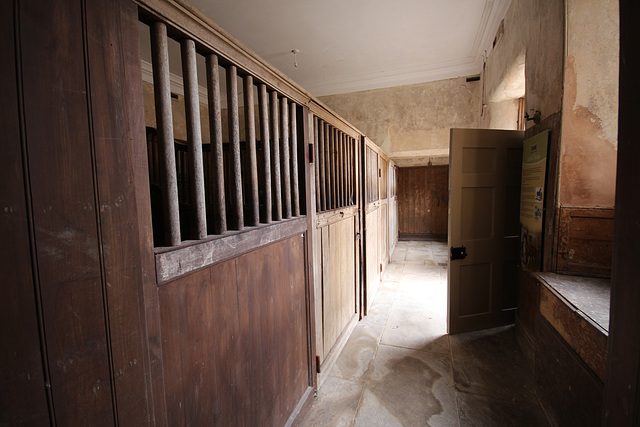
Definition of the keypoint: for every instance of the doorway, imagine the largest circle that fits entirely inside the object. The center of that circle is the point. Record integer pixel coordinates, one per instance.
(423, 199)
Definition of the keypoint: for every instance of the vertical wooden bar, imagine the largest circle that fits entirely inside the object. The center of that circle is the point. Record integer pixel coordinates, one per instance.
(294, 159)
(316, 162)
(341, 167)
(194, 136)
(250, 128)
(321, 166)
(216, 162)
(351, 172)
(234, 136)
(345, 148)
(284, 148)
(336, 148)
(334, 166)
(264, 132)
(275, 159)
(164, 120)
(347, 171)
(327, 164)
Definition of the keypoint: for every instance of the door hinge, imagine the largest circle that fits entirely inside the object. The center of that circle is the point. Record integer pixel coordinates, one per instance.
(318, 364)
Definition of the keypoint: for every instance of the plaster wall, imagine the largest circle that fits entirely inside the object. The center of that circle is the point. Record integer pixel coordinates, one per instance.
(502, 115)
(531, 48)
(590, 111)
(411, 123)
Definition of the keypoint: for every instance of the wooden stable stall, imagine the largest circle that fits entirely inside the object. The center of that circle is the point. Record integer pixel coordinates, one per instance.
(337, 231)
(393, 207)
(149, 280)
(376, 218)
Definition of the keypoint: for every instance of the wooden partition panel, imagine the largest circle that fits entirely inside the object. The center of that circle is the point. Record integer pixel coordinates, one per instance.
(89, 359)
(235, 339)
(337, 227)
(23, 398)
(376, 224)
(339, 264)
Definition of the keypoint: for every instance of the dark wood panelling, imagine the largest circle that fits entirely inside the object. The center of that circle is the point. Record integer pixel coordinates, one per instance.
(64, 211)
(22, 394)
(528, 305)
(423, 197)
(235, 339)
(567, 388)
(113, 50)
(588, 341)
(585, 241)
(622, 397)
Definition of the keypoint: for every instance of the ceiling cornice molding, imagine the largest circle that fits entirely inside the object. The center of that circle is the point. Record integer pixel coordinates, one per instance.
(400, 77)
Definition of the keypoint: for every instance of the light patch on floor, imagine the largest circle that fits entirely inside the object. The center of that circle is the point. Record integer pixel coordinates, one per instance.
(401, 368)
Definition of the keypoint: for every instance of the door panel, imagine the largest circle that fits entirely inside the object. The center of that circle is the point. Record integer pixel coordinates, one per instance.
(373, 256)
(339, 275)
(484, 196)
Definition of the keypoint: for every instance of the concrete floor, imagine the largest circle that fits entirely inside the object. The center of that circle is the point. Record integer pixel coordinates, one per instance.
(400, 368)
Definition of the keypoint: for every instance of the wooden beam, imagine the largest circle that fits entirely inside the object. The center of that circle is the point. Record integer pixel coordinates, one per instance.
(263, 99)
(194, 136)
(275, 159)
(285, 159)
(215, 125)
(234, 136)
(250, 127)
(321, 166)
(164, 120)
(294, 159)
(190, 257)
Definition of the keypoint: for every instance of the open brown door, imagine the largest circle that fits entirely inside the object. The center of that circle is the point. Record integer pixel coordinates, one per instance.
(484, 204)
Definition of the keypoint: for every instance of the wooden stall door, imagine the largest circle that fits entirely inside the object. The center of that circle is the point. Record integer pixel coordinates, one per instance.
(337, 242)
(372, 222)
(383, 237)
(485, 170)
(340, 260)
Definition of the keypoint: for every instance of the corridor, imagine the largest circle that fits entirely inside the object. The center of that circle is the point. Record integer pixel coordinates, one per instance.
(400, 368)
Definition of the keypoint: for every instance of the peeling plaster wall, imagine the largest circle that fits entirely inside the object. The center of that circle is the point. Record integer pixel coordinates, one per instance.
(590, 112)
(411, 123)
(534, 39)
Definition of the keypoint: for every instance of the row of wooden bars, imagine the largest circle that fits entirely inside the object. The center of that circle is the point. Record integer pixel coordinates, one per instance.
(335, 154)
(279, 182)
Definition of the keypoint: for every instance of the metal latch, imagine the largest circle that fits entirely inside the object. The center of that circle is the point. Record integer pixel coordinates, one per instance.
(458, 253)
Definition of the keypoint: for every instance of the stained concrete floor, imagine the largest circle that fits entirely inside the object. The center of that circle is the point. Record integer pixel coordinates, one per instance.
(400, 368)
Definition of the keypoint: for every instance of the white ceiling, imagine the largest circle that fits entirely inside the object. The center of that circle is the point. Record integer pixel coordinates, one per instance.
(353, 45)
